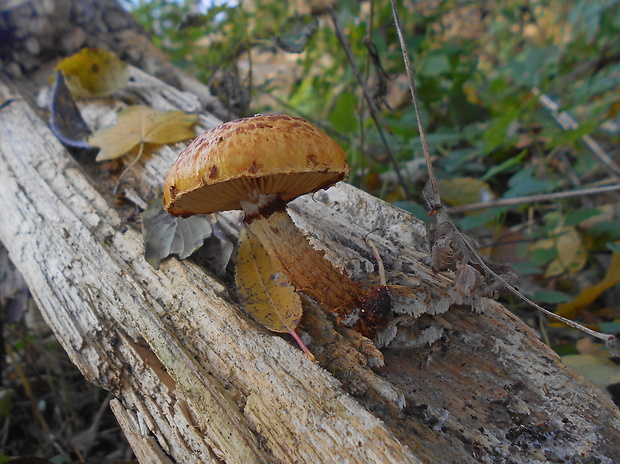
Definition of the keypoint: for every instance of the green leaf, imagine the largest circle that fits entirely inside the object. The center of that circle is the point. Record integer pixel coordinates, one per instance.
(526, 268)
(615, 247)
(497, 133)
(542, 256)
(597, 369)
(6, 403)
(610, 327)
(507, 165)
(579, 216)
(435, 65)
(416, 209)
(525, 183)
(474, 220)
(551, 296)
(343, 117)
(528, 67)
(612, 228)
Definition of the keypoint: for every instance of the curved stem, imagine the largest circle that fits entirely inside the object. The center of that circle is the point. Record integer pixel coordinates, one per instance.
(305, 267)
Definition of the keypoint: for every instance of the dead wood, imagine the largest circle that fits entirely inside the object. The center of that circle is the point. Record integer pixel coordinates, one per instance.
(195, 380)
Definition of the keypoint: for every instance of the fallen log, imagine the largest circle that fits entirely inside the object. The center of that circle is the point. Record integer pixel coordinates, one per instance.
(195, 380)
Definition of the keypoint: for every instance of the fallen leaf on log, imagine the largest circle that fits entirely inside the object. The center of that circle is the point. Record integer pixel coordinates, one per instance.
(166, 235)
(92, 72)
(141, 124)
(266, 295)
(65, 119)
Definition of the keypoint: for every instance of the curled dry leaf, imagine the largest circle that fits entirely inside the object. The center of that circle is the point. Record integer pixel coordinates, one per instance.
(65, 119)
(265, 293)
(165, 235)
(92, 72)
(141, 124)
(457, 252)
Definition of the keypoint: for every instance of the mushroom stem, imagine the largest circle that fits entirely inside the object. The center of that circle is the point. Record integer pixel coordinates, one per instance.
(307, 268)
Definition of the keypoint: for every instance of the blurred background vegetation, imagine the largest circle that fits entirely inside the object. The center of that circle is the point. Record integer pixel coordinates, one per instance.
(518, 98)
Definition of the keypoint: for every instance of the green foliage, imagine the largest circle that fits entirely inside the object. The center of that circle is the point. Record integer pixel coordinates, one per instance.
(551, 296)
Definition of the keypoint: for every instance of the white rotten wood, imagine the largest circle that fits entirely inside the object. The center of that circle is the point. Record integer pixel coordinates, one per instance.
(197, 381)
(135, 330)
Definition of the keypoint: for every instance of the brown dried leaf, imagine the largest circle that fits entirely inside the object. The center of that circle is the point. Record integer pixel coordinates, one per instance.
(266, 295)
(141, 124)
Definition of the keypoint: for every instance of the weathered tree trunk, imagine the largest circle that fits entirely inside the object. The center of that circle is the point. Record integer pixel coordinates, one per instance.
(195, 380)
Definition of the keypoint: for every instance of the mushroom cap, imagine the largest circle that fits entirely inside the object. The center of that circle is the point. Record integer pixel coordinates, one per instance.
(274, 154)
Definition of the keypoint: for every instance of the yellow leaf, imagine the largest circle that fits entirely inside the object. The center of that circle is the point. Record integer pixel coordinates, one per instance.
(93, 72)
(589, 294)
(265, 294)
(464, 190)
(141, 124)
(572, 255)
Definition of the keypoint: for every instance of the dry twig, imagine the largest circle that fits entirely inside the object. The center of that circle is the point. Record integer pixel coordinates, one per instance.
(534, 198)
(374, 111)
(566, 121)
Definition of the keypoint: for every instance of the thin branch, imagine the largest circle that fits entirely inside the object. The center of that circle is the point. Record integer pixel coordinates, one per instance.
(362, 111)
(374, 111)
(131, 165)
(567, 123)
(375, 253)
(610, 340)
(435, 198)
(534, 198)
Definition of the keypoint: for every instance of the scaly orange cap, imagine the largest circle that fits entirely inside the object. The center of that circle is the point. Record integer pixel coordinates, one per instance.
(274, 154)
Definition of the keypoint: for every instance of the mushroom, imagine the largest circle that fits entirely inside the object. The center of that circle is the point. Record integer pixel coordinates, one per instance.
(259, 164)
